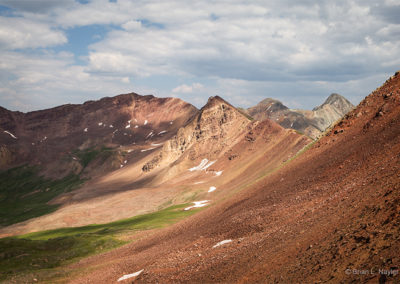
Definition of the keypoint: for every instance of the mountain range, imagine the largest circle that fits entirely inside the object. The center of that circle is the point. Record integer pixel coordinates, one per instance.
(277, 195)
(312, 123)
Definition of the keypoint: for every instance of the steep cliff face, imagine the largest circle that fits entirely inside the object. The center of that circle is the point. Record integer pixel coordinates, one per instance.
(55, 138)
(215, 127)
(312, 123)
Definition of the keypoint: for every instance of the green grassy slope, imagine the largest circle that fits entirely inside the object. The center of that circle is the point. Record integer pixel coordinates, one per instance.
(24, 194)
(38, 254)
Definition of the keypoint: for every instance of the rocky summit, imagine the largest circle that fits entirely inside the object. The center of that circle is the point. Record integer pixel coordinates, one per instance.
(312, 123)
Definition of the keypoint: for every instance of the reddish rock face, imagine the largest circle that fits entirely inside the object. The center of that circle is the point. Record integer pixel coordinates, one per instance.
(50, 137)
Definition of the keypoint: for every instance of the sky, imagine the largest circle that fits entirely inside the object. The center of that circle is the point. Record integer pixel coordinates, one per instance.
(299, 52)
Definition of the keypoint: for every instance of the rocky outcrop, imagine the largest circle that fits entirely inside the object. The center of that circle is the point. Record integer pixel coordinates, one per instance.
(214, 128)
(312, 123)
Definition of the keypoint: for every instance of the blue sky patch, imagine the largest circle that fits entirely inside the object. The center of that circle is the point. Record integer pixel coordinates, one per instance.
(6, 11)
(80, 38)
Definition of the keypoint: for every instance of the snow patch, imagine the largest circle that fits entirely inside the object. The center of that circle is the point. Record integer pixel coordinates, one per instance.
(145, 122)
(136, 126)
(291, 125)
(9, 133)
(150, 135)
(208, 165)
(154, 144)
(125, 161)
(127, 276)
(111, 126)
(162, 132)
(218, 173)
(204, 164)
(100, 123)
(121, 166)
(130, 151)
(200, 166)
(144, 150)
(222, 243)
(171, 122)
(85, 130)
(198, 204)
(212, 188)
(44, 139)
(199, 182)
(128, 126)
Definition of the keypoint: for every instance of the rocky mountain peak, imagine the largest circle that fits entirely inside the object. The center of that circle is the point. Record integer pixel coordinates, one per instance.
(265, 108)
(214, 127)
(269, 101)
(338, 102)
(312, 123)
(216, 101)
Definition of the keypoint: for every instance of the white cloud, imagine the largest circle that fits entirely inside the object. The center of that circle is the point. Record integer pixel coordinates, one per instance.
(19, 33)
(101, 12)
(36, 6)
(132, 25)
(38, 81)
(187, 89)
(249, 42)
(244, 51)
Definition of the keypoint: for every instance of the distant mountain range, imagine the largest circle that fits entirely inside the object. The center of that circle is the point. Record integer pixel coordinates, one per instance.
(60, 139)
(312, 123)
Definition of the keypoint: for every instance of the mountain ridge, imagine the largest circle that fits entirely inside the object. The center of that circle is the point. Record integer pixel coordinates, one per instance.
(312, 123)
(44, 135)
(159, 171)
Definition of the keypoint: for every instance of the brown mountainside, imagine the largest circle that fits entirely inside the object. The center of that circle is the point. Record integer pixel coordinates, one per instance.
(53, 138)
(331, 215)
(219, 147)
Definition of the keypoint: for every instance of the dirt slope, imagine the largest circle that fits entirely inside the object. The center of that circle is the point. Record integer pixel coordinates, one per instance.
(331, 215)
